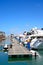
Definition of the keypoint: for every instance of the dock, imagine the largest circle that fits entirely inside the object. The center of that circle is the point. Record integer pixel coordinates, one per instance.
(18, 49)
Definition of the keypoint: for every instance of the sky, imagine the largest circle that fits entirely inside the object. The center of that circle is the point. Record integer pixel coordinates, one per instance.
(17, 16)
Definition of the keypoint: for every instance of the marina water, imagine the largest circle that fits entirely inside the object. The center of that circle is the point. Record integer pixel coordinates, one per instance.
(5, 60)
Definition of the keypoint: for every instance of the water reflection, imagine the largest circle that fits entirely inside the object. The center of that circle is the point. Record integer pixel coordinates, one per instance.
(11, 59)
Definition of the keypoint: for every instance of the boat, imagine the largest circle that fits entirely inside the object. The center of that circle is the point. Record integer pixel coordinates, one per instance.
(36, 37)
(5, 48)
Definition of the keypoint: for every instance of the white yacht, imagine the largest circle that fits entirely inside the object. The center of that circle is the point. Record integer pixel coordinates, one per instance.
(36, 38)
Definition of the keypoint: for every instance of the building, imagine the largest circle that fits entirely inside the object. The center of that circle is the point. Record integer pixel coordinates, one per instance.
(2, 35)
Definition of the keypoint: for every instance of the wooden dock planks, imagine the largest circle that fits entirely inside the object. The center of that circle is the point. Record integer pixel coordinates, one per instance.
(18, 49)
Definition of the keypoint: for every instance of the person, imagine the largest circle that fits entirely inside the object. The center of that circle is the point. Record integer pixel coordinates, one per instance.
(28, 45)
(11, 46)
